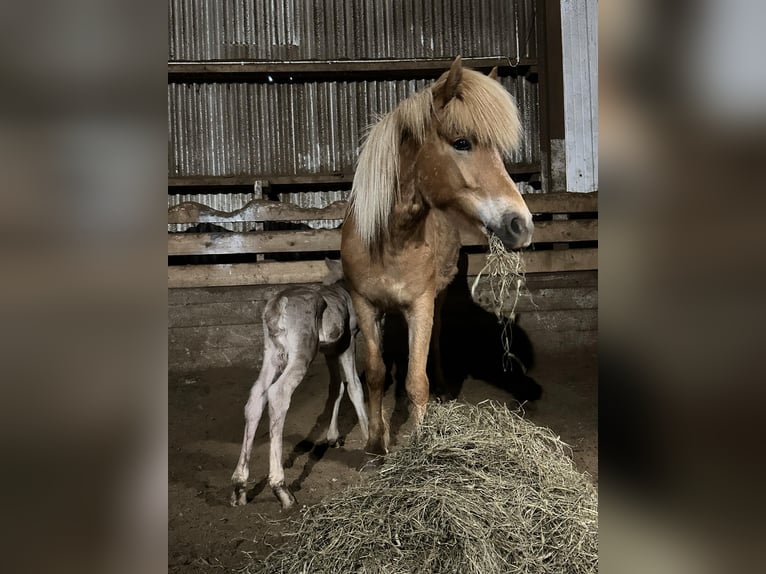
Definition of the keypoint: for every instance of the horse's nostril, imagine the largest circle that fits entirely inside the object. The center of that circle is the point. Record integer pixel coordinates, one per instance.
(517, 226)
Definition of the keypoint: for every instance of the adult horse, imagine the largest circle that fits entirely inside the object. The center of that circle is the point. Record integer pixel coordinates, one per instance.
(437, 156)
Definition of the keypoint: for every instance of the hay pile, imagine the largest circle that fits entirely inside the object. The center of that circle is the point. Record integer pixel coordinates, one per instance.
(477, 489)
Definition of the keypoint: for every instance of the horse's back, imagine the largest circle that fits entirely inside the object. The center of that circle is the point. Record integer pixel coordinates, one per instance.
(318, 312)
(294, 312)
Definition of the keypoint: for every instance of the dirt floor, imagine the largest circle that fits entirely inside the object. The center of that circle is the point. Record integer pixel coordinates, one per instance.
(206, 424)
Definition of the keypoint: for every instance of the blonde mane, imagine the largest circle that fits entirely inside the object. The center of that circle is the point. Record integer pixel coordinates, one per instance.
(482, 110)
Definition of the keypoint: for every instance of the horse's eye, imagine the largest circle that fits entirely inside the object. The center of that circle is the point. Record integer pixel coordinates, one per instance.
(462, 144)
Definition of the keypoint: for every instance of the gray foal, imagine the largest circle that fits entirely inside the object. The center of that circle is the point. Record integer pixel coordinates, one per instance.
(298, 322)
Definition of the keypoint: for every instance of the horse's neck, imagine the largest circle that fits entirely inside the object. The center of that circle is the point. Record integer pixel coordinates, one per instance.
(414, 221)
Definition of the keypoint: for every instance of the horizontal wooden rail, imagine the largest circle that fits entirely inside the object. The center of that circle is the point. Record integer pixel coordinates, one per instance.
(330, 70)
(341, 179)
(260, 210)
(277, 273)
(249, 180)
(329, 239)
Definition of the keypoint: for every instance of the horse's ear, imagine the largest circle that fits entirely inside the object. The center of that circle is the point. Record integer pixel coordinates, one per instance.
(451, 86)
(493, 73)
(335, 269)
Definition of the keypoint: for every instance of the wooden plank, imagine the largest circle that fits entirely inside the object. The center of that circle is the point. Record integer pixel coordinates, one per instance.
(249, 180)
(303, 180)
(265, 273)
(546, 261)
(538, 300)
(254, 242)
(329, 239)
(257, 210)
(217, 313)
(545, 232)
(191, 348)
(241, 294)
(564, 280)
(562, 202)
(559, 320)
(271, 272)
(350, 67)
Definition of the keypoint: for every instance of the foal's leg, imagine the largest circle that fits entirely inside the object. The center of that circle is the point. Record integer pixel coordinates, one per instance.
(420, 318)
(354, 385)
(271, 368)
(368, 318)
(336, 383)
(279, 395)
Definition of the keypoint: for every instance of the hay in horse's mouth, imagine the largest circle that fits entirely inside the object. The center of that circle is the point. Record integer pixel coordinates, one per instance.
(504, 274)
(475, 489)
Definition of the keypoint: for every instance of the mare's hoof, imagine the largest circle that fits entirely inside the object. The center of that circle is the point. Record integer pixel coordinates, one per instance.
(376, 448)
(285, 497)
(238, 495)
(373, 463)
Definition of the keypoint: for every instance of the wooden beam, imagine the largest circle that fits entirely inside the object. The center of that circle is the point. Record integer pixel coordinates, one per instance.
(254, 242)
(260, 210)
(545, 232)
(562, 202)
(309, 179)
(276, 273)
(266, 273)
(546, 261)
(257, 210)
(249, 180)
(330, 70)
(329, 239)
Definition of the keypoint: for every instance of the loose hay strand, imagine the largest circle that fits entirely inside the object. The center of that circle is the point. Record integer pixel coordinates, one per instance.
(476, 489)
(505, 273)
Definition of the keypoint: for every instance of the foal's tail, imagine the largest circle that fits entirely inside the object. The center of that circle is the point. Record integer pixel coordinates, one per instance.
(274, 334)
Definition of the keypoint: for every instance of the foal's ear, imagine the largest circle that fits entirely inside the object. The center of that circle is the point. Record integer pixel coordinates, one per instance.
(451, 87)
(335, 269)
(493, 73)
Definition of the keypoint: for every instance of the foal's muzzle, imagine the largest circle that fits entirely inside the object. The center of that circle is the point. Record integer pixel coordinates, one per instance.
(515, 230)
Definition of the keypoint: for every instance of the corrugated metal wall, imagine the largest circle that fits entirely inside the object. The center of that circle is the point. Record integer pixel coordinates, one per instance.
(294, 129)
(201, 30)
(230, 127)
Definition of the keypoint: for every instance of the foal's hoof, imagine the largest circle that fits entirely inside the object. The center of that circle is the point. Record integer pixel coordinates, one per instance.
(238, 495)
(336, 443)
(285, 497)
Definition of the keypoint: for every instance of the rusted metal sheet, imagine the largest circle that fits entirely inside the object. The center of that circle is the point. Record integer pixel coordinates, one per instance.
(342, 29)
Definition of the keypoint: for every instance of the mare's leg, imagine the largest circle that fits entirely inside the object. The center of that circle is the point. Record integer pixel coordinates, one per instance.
(337, 385)
(420, 318)
(279, 395)
(354, 385)
(368, 318)
(271, 368)
(435, 355)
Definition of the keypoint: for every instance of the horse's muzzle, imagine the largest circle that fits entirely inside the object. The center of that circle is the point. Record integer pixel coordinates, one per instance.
(515, 230)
